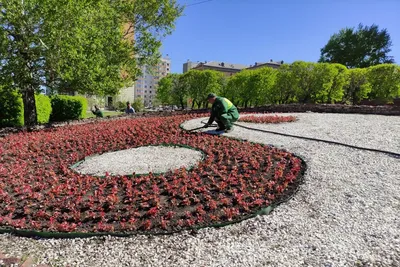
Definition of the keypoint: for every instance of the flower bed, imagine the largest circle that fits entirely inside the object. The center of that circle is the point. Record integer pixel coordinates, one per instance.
(38, 190)
(267, 119)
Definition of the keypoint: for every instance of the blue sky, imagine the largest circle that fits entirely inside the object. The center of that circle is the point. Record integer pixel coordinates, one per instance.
(246, 31)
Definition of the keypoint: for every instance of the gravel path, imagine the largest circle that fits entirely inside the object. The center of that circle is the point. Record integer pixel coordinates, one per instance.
(345, 214)
(140, 160)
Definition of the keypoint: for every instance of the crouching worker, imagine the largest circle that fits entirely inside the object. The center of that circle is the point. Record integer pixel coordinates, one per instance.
(223, 112)
(97, 112)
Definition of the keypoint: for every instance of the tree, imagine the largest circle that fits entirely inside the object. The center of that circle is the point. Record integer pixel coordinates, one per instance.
(173, 89)
(357, 87)
(385, 82)
(164, 90)
(79, 46)
(202, 82)
(285, 85)
(358, 48)
(266, 84)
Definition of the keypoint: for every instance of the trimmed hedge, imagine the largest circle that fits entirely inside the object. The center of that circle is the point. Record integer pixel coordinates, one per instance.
(43, 108)
(68, 108)
(12, 108)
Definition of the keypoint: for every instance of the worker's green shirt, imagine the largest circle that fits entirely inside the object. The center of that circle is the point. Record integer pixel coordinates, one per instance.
(98, 113)
(220, 106)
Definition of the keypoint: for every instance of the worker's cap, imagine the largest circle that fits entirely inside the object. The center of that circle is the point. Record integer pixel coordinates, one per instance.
(211, 96)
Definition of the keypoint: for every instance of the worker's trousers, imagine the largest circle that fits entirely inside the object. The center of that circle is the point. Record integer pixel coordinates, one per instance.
(226, 120)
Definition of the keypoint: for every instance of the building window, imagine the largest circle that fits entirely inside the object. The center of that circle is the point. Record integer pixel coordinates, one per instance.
(167, 69)
(145, 91)
(150, 91)
(145, 86)
(150, 87)
(167, 64)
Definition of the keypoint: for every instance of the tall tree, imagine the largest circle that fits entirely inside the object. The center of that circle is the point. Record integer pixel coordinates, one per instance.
(360, 47)
(79, 45)
(173, 90)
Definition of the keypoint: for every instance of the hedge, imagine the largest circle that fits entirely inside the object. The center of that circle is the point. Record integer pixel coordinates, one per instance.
(68, 108)
(12, 108)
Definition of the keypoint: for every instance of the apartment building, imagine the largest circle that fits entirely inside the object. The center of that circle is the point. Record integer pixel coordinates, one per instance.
(146, 85)
(227, 68)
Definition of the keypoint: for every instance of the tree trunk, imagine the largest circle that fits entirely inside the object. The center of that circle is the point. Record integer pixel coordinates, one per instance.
(182, 104)
(193, 104)
(30, 115)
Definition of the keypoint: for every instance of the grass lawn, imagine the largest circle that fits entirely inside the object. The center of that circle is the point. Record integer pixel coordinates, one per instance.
(105, 113)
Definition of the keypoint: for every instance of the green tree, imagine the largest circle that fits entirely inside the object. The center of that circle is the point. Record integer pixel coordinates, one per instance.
(385, 82)
(234, 87)
(79, 46)
(358, 48)
(164, 90)
(201, 83)
(357, 87)
(266, 79)
(304, 81)
(285, 85)
(173, 90)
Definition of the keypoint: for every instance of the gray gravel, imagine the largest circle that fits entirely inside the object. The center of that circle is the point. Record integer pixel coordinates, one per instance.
(345, 214)
(140, 160)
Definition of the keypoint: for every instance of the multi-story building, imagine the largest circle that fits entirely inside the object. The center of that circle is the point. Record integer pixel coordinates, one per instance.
(227, 68)
(270, 64)
(146, 85)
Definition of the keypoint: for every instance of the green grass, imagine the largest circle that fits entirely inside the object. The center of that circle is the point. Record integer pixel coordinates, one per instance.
(105, 114)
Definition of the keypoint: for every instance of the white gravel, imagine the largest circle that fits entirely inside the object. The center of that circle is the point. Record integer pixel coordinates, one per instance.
(140, 160)
(345, 214)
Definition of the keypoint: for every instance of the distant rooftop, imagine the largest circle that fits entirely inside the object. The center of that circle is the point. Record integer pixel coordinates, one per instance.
(217, 64)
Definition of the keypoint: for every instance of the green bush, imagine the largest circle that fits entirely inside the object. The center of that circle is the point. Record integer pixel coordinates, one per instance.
(43, 108)
(138, 105)
(120, 106)
(68, 108)
(11, 108)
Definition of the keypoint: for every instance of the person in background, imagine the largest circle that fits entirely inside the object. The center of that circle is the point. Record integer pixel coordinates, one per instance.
(223, 112)
(129, 109)
(97, 112)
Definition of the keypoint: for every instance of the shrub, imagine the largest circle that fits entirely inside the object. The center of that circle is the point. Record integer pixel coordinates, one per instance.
(120, 106)
(385, 82)
(43, 108)
(138, 105)
(68, 108)
(11, 108)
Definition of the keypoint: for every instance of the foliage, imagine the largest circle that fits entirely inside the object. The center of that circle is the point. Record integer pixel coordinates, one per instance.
(358, 86)
(284, 90)
(77, 46)
(201, 83)
(43, 107)
(358, 48)
(173, 90)
(120, 106)
(10, 108)
(68, 108)
(235, 180)
(138, 105)
(385, 82)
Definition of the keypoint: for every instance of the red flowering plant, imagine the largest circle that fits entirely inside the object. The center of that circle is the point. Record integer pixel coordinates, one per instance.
(267, 119)
(39, 191)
